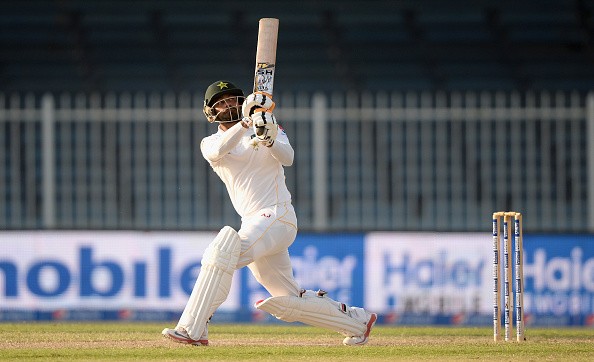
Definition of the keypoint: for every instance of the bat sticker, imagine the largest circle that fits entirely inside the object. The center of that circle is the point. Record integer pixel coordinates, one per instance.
(264, 79)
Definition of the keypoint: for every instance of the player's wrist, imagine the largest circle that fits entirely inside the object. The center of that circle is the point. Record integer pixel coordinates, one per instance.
(244, 123)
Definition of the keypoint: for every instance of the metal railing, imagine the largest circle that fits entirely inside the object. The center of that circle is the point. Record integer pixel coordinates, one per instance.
(371, 161)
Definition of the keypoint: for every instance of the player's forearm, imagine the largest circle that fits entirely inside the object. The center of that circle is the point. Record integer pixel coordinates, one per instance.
(219, 148)
(283, 152)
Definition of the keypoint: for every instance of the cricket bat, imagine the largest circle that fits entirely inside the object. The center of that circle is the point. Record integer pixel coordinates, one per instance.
(266, 55)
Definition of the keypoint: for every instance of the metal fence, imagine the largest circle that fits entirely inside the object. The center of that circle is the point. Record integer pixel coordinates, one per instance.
(371, 161)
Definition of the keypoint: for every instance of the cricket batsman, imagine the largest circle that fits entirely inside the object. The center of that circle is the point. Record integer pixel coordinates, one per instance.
(249, 152)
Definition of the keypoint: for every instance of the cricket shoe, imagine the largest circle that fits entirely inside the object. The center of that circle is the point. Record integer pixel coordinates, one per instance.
(364, 338)
(181, 336)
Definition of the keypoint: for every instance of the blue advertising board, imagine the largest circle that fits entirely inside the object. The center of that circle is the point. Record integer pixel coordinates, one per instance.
(333, 263)
(559, 279)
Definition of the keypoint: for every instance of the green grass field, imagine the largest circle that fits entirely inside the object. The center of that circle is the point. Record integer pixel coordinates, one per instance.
(143, 342)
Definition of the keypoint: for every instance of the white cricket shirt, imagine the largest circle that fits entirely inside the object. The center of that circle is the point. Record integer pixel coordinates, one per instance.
(254, 177)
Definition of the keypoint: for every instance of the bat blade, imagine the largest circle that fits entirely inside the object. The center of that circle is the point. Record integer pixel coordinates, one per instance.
(266, 55)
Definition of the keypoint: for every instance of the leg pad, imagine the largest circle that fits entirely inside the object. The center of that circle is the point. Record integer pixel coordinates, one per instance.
(212, 287)
(315, 310)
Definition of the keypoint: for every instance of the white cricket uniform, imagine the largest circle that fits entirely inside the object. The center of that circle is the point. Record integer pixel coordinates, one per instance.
(255, 181)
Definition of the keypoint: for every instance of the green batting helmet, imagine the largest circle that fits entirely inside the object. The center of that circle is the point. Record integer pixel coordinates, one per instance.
(219, 88)
(215, 91)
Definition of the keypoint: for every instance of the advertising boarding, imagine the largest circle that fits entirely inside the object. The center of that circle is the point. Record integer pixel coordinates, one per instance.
(408, 278)
(447, 278)
(87, 274)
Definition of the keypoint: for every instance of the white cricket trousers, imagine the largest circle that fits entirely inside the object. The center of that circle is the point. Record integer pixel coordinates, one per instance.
(265, 238)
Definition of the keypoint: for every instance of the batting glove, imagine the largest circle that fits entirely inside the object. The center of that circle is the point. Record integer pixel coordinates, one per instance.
(265, 127)
(255, 102)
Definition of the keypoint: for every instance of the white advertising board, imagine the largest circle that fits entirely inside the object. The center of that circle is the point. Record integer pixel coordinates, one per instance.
(102, 269)
(428, 273)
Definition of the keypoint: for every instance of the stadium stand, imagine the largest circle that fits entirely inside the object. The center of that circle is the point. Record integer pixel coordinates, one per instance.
(94, 45)
(127, 79)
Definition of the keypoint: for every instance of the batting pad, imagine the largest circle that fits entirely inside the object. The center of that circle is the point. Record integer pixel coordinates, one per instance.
(315, 311)
(219, 262)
